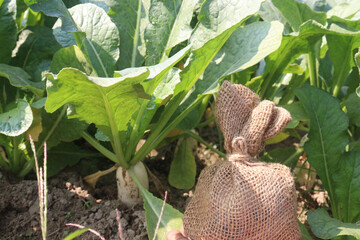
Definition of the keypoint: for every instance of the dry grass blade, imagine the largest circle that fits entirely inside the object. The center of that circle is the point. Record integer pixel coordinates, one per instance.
(119, 225)
(161, 213)
(90, 230)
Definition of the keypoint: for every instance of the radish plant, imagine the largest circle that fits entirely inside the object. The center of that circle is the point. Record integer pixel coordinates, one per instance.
(117, 69)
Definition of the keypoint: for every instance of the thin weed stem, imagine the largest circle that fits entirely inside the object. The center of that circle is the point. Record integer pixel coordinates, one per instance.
(41, 174)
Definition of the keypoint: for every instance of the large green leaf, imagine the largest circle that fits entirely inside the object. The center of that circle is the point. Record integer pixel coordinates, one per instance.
(57, 128)
(352, 104)
(64, 155)
(71, 57)
(131, 18)
(341, 49)
(106, 102)
(217, 21)
(183, 167)
(246, 47)
(102, 37)
(216, 18)
(16, 121)
(347, 187)
(8, 29)
(19, 78)
(169, 26)
(54, 8)
(325, 227)
(297, 112)
(327, 135)
(34, 51)
(296, 13)
(161, 84)
(170, 219)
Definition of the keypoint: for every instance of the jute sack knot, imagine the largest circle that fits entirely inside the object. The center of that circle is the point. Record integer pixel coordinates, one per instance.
(243, 198)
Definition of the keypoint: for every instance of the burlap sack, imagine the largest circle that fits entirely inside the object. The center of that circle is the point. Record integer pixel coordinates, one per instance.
(242, 198)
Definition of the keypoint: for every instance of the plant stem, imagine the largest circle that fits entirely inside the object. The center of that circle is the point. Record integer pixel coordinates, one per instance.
(3, 161)
(340, 78)
(312, 69)
(53, 127)
(114, 131)
(136, 37)
(16, 156)
(159, 133)
(205, 123)
(132, 145)
(93, 142)
(199, 139)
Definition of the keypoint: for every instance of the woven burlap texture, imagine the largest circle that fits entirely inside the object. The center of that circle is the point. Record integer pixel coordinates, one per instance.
(242, 198)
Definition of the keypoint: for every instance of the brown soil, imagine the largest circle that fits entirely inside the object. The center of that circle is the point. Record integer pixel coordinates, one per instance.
(68, 202)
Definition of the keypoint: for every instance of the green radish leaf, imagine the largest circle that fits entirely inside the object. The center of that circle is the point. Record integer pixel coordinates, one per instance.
(268, 12)
(357, 62)
(57, 128)
(39, 103)
(16, 121)
(102, 37)
(19, 78)
(101, 136)
(325, 227)
(167, 29)
(220, 19)
(167, 85)
(296, 13)
(246, 47)
(163, 81)
(106, 102)
(100, 3)
(131, 19)
(347, 187)
(183, 167)
(159, 84)
(8, 29)
(327, 135)
(287, 156)
(34, 51)
(158, 71)
(171, 218)
(354, 146)
(54, 8)
(298, 113)
(76, 234)
(294, 68)
(352, 104)
(71, 57)
(64, 155)
(217, 21)
(304, 232)
(292, 46)
(341, 50)
(344, 10)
